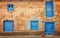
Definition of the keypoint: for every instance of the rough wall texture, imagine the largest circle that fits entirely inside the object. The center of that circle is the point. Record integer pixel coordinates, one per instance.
(57, 16)
(23, 13)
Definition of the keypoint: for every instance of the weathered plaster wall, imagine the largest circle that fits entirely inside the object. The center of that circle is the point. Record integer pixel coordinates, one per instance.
(24, 11)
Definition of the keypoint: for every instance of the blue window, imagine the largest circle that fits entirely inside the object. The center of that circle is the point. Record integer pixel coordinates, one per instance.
(49, 28)
(34, 25)
(49, 6)
(10, 7)
(8, 25)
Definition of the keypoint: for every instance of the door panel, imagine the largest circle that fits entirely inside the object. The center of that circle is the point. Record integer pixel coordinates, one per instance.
(8, 25)
(49, 27)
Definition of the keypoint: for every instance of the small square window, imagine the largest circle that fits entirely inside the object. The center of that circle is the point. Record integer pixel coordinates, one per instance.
(10, 7)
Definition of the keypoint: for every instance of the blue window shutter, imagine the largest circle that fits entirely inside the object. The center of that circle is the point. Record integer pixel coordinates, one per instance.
(34, 25)
(49, 6)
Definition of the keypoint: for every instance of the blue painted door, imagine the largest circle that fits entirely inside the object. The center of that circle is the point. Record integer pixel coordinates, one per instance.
(49, 6)
(8, 25)
(34, 25)
(49, 28)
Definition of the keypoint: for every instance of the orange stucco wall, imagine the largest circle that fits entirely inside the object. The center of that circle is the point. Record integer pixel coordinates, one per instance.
(23, 13)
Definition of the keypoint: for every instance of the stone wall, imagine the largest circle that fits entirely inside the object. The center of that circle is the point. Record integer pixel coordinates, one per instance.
(23, 13)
